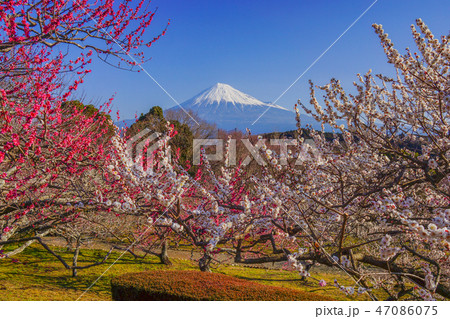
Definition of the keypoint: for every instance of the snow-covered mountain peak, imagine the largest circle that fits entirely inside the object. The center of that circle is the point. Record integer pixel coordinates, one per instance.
(222, 93)
(232, 109)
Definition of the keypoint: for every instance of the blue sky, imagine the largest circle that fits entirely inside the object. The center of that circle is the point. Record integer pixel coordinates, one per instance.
(260, 47)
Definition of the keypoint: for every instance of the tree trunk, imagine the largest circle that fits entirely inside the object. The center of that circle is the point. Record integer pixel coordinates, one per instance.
(205, 262)
(163, 257)
(238, 257)
(75, 260)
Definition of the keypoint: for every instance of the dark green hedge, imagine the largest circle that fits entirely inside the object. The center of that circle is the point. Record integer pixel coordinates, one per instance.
(196, 285)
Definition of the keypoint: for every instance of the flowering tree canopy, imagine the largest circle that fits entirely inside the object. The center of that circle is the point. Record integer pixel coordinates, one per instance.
(52, 152)
(107, 27)
(378, 196)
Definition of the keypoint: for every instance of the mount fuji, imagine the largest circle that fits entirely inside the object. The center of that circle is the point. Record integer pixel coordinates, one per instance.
(232, 109)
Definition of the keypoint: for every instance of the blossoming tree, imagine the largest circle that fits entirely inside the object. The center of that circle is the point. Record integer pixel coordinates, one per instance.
(378, 194)
(52, 154)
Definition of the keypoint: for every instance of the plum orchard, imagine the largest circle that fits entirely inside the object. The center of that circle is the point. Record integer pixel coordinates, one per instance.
(374, 204)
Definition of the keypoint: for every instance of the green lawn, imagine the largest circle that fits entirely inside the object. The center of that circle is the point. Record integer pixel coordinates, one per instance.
(39, 276)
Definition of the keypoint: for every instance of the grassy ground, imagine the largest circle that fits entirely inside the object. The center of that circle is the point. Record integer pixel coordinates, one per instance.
(39, 276)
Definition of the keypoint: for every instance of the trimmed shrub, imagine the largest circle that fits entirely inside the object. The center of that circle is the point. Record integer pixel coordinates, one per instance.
(197, 285)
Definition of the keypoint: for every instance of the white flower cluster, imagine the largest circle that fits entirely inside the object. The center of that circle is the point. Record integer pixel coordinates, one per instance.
(79, 205)
(435, 232)
(247, 204)
(347, 290)
(221, 230)
(345, 262)
(221, 184)
(350, 290)
(442, 218)
(447, 100)
(432, 163)
(387, 252)
(430, 282)
(163, 185)
(229, 150)
(177, 227)
(206, 220)
(125, 204)
(432, 233)
(426, 295)
(164, 222)
(296, 265)
(212, 244)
